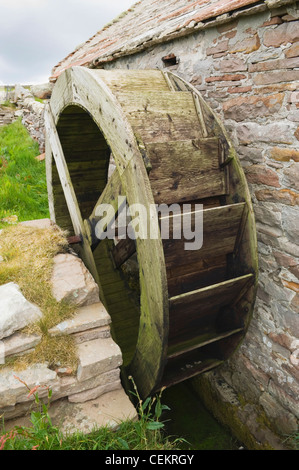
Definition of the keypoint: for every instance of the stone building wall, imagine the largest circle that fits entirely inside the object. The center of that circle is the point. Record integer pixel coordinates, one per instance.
(248, 72)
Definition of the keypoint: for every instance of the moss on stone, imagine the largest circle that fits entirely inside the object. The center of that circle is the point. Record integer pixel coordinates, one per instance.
(228, 414)
(188, 418)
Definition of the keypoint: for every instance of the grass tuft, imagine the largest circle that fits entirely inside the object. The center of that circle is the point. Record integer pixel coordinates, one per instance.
(27, 259)
(23, 189)
(144, 434)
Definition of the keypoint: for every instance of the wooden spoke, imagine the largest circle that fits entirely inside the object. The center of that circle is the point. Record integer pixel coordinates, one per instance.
(68, 190)
(109, 197)
(123, 251)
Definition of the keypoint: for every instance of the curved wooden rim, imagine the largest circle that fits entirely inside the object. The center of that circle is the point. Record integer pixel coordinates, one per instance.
(120, 117)
(81, 87)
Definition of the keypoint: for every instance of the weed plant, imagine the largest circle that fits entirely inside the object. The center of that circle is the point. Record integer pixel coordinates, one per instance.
(146, 433)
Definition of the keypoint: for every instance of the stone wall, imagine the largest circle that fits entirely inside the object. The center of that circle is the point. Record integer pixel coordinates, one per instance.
(248, 72)
(7, 116)
(31, 110)
(89, 394)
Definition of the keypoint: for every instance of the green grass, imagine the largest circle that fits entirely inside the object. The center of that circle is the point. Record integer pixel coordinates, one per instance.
(146, 433)
(8, 104)
(23, 196)
(23, 189)
(30, 265)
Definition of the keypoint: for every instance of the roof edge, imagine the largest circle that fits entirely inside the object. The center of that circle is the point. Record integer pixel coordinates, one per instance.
(191, 28)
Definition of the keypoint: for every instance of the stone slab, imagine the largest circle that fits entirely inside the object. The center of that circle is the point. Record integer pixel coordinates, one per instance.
(19, 343)
(106, 411)
(89, 335)
(38, 223)
(94, 393)
(97, 357)
(15, 311)
(72, 282)
(19, 405)
(69, 385)
(14, 391)
(86, 318)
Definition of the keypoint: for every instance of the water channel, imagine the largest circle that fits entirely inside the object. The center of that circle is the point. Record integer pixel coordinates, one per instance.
(190, 420)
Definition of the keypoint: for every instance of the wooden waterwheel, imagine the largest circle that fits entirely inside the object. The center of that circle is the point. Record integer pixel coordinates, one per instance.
(186, 311)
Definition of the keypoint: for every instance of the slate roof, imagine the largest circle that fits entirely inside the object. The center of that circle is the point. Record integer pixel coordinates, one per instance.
(149, 22)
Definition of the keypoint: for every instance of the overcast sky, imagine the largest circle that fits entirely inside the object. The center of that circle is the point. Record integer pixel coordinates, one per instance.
(36, 34)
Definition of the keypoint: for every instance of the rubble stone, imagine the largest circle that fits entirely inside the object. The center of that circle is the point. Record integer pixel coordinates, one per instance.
(94, 392)
(19, 343)
(97, 357)
(42, 91)
(85, 318)
(72, 282)
(13, 390)
(15, 311)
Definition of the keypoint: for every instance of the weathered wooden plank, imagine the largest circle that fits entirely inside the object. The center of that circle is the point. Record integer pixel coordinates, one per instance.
(186, 170)
(192, 276)
(83, 195)
(84, 128)
(92, 94)
(72, 113)
(134, 80)
(205, 114)
(186, 367)
(63, 94)
(199, 342)
(109, 195)
(88, 166)
(68, 189)
(200, 115)
(87, 180)
(76, 155)
(220, 228)
(82, 140)
(215, 295)
(124, 311)
(85, 200)
(193, 311)
(122, 251)
(161, 116)
(49, 176)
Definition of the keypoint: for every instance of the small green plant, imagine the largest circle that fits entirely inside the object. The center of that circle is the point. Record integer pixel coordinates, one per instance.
(292, 441)
(150, 412)
(42, 434)
(143, 434)
(8, 104)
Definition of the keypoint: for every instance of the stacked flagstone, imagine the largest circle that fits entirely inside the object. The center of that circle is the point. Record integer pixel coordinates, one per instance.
(6, 116)
(97, 379)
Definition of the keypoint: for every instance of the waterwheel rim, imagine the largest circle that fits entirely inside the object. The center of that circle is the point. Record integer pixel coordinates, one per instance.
(81, 94)
(146, 365)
